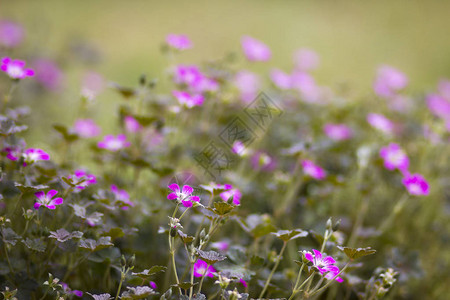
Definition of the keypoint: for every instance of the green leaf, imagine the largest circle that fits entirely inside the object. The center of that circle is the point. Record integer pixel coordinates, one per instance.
(34, 244)
(355, 253)
(30, 188)
(184, 285)
(287, 235)
(67, 135)
(126, 92)
(210, 257)
(149, 272)
(114, 233)
(9, 236)
(222, 208)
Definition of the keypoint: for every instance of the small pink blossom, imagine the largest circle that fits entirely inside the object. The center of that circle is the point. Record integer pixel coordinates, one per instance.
(222, 246)
(389, 81)
(189, 75)
(122, 196)
(239, 148)
(188, 100)
(153, 285)
(11, 34)
(338, 132)
(15, 68)
(394, 157)
(201, 269)
(281, 79)
(33, 155)
(439, 106)
(68, 290)
(92, 85)
(263, 161)
(132, 125)
(46, 200)
(232, 192)
(243, 282)
(306, 59)
(114, 143)
(14, 152)
(254, 49)
(86, 128)
(48, 74)
(416, 184)
(325, 265)
(313, 170)
(303, 82)
(381, 123)
(183, 195)
(89, 179)
(178, 41)
(248, 84)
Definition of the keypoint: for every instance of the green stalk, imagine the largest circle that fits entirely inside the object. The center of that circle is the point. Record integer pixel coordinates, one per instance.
(277, 262)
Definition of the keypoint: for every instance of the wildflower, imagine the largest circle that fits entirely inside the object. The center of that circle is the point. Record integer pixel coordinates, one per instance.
(132, 125)
(381, 123)
(306, 59)
(68, 290)
(178, 41)
(325, 265)
(122, 196)
(313, 170)
(92, 85)
(222, 246)
(14, 152)
(232, 192)
(254, 49)
(184, 195)
(248, 84)
(239, 148)
(48, 74)
(46, 200)
(11, 34)
(113, 143)
(33, 155)
(389, 81)
(416, 184)
(201, 269)
(86, 128)
(281, 79)
(188, 100)
(338, 132)
(89, 179)
(153, 285)
(439, 106)
(394, 157)
(188, 75)
(306, 85)
(263, 161)
(15, 68)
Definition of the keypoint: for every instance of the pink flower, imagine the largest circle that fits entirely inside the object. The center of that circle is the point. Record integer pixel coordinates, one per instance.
(15, 68)
(68, 290)
(239, 148)
(381, 123)
(306, 59)
(33, 155)
(248, 84)
(221, 246)
(89, 179)
(132, 125)
(338, 132)
(263, 161)
(48, 74)
(325, 265)
(122, 196)
(416, 184)
(46, 200)
(281, 79)
(231, 192)
(11, 34)
(178, 41)
(254, 49)
(153, 285)
(394, 157)
(439, 106)
(389, 81)
(306, 85)
(188, 75)
(313, 170)
(92, 85)
(184, 195)
(243, 282)
(201, 269)
(113, 143)
(14, 152)
(86, 128)
(188, 100)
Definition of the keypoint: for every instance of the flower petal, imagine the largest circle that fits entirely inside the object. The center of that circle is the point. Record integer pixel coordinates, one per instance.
(52, 193)
(187, 190)
(174, 187)
(195, 198)
(37, 205)
(172, 196)
(186, 203)
(40, 195)
(57, 201)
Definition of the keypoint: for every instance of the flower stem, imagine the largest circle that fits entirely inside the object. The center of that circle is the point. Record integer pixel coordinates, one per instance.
(277, 262)
(331, 280)
(122, 278)
(295, 292)
(203, 278)
(394, 213)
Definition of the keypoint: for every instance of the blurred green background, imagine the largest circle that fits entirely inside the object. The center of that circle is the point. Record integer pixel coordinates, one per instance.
(352, 37)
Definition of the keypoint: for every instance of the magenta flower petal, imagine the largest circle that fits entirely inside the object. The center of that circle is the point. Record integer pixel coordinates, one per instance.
(51, 206)
(187, 190)
(52, 193)
(174, 187)
(37, 205)
(57, 201)
(172, 196)
(195, 198)
(187, 203)
(40, 195)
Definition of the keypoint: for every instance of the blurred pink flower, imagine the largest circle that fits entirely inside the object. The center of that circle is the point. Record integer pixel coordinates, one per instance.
(416, 184)
(444, 88)
(132, 125)
(338, 132)
(33, 155)
(306, 59)
(46, 200)
(248, 84)
(86, 128)
(92, 85)
(394, 157)
(122, 196)
(89, 179)
(281, 79)
(11, 34)
(254, 49)
(381, 123)
(306, 85)
(262, 161)
(439, 106)
(48, 74)
(113, 143)
(178, 41)
(222, 246)
(389, 81)
(15, 68)
(313, 170)
(188, 100)
(232, 192)
(189, 75)
(201, 269)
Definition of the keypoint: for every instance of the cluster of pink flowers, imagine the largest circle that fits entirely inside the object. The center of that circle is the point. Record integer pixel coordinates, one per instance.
(114, 143)
(325, 265)
(15, 68)
(439, 103)
(47, 200)
(183, 195)
(313, 170)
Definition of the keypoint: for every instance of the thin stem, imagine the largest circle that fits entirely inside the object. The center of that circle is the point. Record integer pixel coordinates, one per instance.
(7, 258)
(172, 255)
(331, 280)
(183, 213)
(298, 277)
(300, 287)
(203, 278)
(394, 213)
(122, 278)
(277, 262)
